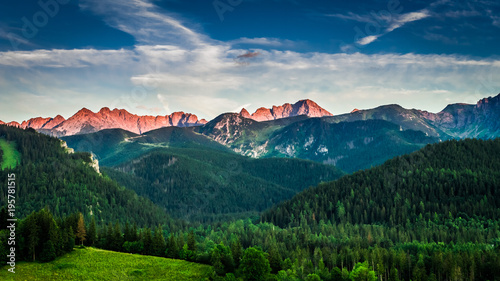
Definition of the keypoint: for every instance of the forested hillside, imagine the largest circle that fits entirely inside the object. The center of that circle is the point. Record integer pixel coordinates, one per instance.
(454, 179)
(49, 175)
(117, 146)
(350, 146)
(205, 184)
(196, 178)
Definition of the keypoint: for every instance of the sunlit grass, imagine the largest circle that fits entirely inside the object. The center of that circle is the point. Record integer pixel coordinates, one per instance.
(11, 157)
(96, 264)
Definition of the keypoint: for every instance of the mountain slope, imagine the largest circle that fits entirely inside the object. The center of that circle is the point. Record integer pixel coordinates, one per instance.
(407, 119)
(115, 146)
(349, 145)
(481, 120)
(447, 180)
(195, 177)
(67, 183)
(206, 184)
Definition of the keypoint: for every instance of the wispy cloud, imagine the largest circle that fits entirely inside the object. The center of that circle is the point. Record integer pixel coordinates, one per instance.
(394, 24)
(262, 41)
(65, 58)
(354, 17)
(145, 21)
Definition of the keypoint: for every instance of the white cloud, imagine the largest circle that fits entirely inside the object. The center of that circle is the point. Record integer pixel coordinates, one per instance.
(145, 21)
(406, 18)
(353, 16)
(368, 39)
(65, 58)
(164, 102)
(272, 42)
(394, 24)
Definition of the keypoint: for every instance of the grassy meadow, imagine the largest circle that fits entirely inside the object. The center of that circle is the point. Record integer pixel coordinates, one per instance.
(10, 156)
(96, 264)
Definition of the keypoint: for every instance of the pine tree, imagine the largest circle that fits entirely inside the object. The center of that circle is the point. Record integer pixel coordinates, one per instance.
(80, 231)
(147, 241)
(92, 234)
(133, 233)
(33, 231)
(48, 252)
(158, 244)
(127, 232)
(117, 239)
(237, 252)
(172, 250)
(70, 242)
(191, 241)
(274, 258)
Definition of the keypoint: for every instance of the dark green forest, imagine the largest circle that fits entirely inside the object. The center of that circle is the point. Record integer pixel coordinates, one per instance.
(196, 178)
(429, 215)
(207, 185)
(66, 183)
(455, 179)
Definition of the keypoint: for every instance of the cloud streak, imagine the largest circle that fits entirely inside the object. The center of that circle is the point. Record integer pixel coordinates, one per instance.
(145, 21)
(262, 41)
(398, 22)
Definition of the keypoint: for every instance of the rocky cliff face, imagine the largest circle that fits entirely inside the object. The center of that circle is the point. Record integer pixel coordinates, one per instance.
(86, 121)
(302, 107)
(481, 120)
(39, 123)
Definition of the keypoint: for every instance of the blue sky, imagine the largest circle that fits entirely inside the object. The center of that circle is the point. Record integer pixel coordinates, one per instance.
(206, 57)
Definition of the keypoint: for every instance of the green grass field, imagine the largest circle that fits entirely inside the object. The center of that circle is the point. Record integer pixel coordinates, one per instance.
(96, 264)
(10, 155)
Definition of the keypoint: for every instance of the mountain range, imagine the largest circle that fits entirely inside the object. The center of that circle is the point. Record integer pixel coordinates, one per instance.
(86, 121)
(353, 141)
(456, 120)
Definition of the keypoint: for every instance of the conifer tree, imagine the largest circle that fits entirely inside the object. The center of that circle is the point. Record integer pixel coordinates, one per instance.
(191, 241)
(81, 234)
(158, 243)
(172, 249)
(92, 233)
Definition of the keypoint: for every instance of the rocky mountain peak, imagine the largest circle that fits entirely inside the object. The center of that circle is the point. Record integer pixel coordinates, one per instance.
(244, 113)
(86, 121)
(83, 111)
(302, 107)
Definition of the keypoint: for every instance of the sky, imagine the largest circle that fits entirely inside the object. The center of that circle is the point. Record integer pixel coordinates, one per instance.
(206, 57)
